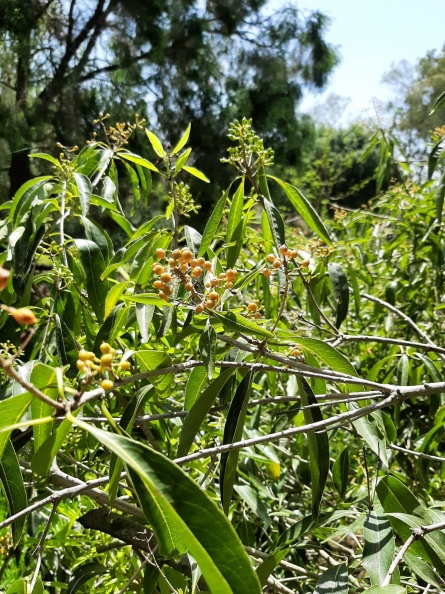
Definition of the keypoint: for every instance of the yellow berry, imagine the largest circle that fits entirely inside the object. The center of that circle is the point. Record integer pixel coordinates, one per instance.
(106, 360)
(105, 348)
(213, 295)
(106, 385)
(200, 261)
(188, 286)
(199, 308)
(252, 307)
(266, 272)
(196, 272)
(158, 284)
(86, 355)
(158, 269)
(276, 263)
(166, 277)
(223, 276)
(184, 267)
(160, 253)
(125, 365)
(210, 304)
(80, 365)
(207, 265)
(229, 285)
(176, 254)
(163, 296)
(172, 262)
(283, 249)
(270, 258)
(231, 274)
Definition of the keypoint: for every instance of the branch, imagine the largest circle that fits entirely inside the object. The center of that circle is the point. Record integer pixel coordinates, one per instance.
(114, 67)
(384, 340)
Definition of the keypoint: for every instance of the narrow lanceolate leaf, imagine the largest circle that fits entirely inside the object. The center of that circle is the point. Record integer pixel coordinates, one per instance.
(340, 288)
(94, 265)
(340, 472)
(14, 489)
(195, 382)
(318, 444)
(212, 225)
(329, 355)
(207, 348)
(138, 160)
(276, 223)
(378, 552)
(440, 195)
(437, 153)
(304, 209)
(235, 213)
(11, 411)
(237, 323)
(156, 144)
(439, 101)
(44, 378)
(233, 431)
(196, 173)
(147, 299)
(84, 190)
(386, 590)
(183, 141)
(182, 160)
(184, 510)
(199, 411)
(333, 581)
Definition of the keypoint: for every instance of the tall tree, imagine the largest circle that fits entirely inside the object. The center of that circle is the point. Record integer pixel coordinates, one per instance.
(174, 61)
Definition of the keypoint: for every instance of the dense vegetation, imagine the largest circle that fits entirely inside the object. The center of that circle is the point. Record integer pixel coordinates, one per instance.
(259, 407)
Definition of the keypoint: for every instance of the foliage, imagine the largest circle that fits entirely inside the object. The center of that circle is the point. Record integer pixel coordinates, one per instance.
(254, 408)
(172, 61)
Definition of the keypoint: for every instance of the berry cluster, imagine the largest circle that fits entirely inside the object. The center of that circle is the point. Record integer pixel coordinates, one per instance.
(182, 268)
(286, 255)
(5, 543)
(252, 309)
(89, 364)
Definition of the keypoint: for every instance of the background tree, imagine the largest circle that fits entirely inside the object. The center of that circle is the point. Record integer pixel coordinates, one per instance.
(62, 62)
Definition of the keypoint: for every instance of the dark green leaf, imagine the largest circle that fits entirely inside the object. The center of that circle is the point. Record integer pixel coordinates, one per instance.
(340, 288)
(83, 574)
(14, 489)
(378, 551)
(93, 265)
(340, 472)
(238, 323)
(84, 190)
(212, 225)
(333, 581)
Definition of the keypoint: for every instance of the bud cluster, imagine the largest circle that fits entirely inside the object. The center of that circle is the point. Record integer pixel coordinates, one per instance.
(183, 268)
(91, 365)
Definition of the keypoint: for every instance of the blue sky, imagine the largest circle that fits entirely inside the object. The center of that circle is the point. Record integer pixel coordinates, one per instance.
(371, 35)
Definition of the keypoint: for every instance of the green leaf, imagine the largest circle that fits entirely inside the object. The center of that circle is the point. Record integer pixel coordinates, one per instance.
(45, 454)
(199, 410)
(327, 353)
(196, 173)
(422, 569)
(138, 160)
(436, 154)
(183, 141)
(18, 587)
(212, 225)
(378, 551)
(340, 472)
(207, 347)
(304, 209)
(66, 345)
(340, 288)
(195, 382)
(235, 225)
(84, 190)
(385, 590)
(276, 223)
(44, 378)
(114, 295)
(193, 239)
(156, 144)
(440, 195)
(45, 157)
(11, 411)
(14, 489)
(439, 101)
(144, 316)
(83, 574)
(373, 433)
(182, 506)
(182, 160)
(237, 323)
(147, 299)
(112, 326)
(94, 265)
(233, 431)
(266, 567)
(333, 581)
(151, 360)
(318, 444)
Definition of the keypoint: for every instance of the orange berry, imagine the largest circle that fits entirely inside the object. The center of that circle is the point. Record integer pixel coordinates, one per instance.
(125, 365)
(231, 274)
(305, 263)
(158, 284)
(199, 308)
(222, 276)
(187, 255)
(168, 290)
(163, 296)
(196, 272)
(188, 286)
(283, 249)
(172, 262)
(213, 295)
(252, 307)
(106, 385)
(277, 263)
(166, 277)
(201, 261)
(266, 272)
(270, 258)
(4, 276)
(214, 282)
(193, 262)
(160, 253)
(229, 285)
(210, 304)
(158, 269)
(176, 254)
(257, 315)
(293, 253)
(184, 267)
(207, 265)
(23, 315)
